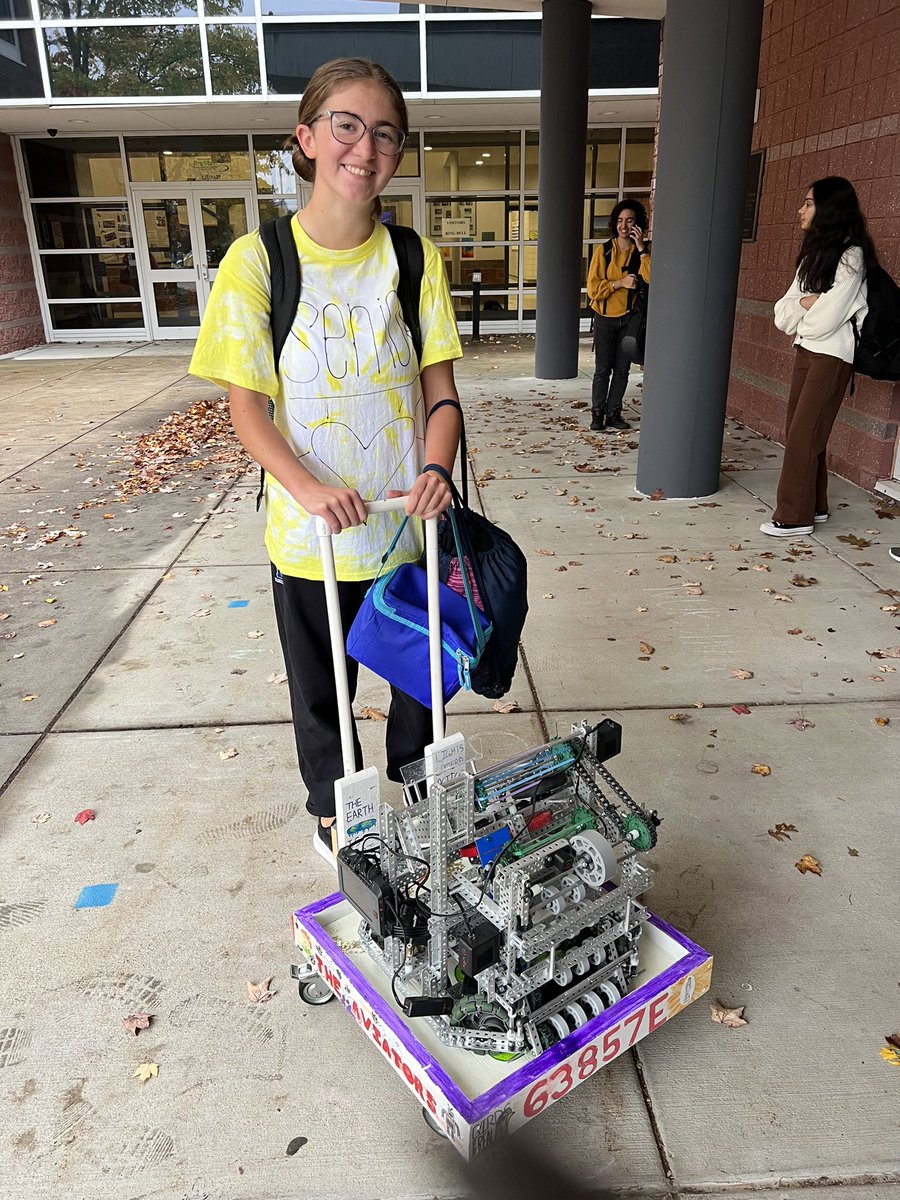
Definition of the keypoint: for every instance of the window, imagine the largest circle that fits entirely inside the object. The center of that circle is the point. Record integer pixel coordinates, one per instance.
(294, 51)
(486, 161)
(64, 226)
(20, 72)
(125, 60)
(478, 56)
(233, 60)
(74, 167)
(638, 157)
(180, 159)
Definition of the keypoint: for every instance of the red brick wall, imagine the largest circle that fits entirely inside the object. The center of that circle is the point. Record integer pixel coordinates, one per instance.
(829, 79)
(20, 315)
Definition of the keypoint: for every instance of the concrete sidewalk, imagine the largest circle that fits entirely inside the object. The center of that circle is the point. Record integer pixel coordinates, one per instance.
(128, 702)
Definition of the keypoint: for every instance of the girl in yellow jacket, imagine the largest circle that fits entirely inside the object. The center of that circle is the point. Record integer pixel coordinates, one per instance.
(612, 288)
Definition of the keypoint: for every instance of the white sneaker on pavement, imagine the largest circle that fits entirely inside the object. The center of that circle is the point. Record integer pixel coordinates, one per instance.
(778, 529)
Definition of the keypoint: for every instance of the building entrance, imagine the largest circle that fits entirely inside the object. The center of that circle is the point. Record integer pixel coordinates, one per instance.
(182, 233)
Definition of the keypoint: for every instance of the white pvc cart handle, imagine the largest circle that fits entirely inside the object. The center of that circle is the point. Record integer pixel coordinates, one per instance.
(336, 631)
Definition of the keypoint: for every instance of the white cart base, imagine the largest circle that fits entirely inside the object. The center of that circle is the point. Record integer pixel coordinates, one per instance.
(474, 1099)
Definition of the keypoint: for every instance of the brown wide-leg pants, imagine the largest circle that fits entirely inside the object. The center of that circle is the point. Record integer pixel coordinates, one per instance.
(817, 389)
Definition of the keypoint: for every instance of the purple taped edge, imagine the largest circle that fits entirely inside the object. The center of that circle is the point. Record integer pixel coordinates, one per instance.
(379, 1004)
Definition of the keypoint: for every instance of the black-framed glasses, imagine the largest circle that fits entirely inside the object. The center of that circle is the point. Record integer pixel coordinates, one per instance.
(349, 129)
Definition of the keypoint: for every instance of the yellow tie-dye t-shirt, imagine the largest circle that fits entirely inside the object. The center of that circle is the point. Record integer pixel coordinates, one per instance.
(347, 393)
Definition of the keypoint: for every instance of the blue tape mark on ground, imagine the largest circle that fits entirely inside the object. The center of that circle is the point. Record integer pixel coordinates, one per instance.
(238, 603)
(97, 895)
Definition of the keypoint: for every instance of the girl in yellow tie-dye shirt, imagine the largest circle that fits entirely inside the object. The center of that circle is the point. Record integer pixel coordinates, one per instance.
(351, 401)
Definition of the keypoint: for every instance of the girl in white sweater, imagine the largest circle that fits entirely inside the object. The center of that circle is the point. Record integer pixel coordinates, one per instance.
(829, 289)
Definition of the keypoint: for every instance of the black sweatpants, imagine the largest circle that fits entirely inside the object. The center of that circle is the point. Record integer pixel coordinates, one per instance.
(303, 629)
(611, 366)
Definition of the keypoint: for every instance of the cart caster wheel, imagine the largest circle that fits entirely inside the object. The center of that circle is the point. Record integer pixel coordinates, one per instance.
(432, 1123)
(314, 991)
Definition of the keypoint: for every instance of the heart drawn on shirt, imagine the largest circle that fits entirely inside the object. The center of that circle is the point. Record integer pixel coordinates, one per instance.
(329, 445)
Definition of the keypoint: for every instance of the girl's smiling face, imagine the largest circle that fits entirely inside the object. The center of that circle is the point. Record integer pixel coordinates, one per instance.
(357, 173)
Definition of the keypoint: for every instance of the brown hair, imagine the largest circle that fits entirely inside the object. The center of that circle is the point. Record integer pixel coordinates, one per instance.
(327, 79)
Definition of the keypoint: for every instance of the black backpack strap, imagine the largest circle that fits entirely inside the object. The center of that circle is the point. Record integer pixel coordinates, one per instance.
(285, 283)
(411, 262)
(463, 454)
(607, 259)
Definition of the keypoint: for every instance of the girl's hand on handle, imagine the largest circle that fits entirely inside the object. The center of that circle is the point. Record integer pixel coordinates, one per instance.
(428, 497)
(339, 507)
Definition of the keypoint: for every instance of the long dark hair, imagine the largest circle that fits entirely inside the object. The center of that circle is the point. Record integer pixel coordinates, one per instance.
(837, 224)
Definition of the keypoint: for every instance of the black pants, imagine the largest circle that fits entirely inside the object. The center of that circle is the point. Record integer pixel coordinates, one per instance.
(606, 393)
(303, 629)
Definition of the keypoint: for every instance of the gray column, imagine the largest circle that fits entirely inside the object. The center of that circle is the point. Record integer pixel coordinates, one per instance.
(710, 61)
(565, 43)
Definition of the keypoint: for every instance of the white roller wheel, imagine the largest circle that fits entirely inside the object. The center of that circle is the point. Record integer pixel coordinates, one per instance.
(576, 1014)
(562, 976)
(610, 993)
(554, 900)
(582, 964)
(575, 889)
(592, 1003)
(599, 956)
(557, 1023)
(595, 859)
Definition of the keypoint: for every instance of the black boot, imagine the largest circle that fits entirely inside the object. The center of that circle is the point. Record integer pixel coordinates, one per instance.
(597, 420)
(616, 421)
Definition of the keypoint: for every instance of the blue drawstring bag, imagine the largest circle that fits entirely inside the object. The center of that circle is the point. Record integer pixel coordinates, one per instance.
(389, 634)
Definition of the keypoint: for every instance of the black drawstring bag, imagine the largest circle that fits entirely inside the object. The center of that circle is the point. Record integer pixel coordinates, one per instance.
(499, 572)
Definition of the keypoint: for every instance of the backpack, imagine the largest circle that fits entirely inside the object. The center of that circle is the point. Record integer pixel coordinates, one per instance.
(285, 275)
(495, 578)
(877, 341)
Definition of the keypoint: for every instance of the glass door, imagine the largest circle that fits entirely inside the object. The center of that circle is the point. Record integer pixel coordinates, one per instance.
(183, 231)
(401, 204)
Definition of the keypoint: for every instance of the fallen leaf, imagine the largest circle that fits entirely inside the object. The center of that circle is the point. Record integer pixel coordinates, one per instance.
(657, 495)
(852, 540)
(5, 616)
(29, 698)
(642, 609)
(201, 612)
(740, 673)
(778, 596)
(548, 553)
(277, 677)
(893, 1039)
(40, 818)
(147, 1070)
(803, 581)
(135, 1022)
(255, 633)
(890, 652)
(761, 769)
(794, 632)
(667, 558)
(808, 863)
(782, 832)
(853, 853)
(680, 717)
(631, 571)
(801, 724)
(882, 721)
(46, 624)
(741, 709)
(510, 707)
(371, 714)
(732, 1018)
(699, 704)
(548, 596)
(86, 814)
(231, 752)
(258, 993)
(890, 1056)
(646, 648)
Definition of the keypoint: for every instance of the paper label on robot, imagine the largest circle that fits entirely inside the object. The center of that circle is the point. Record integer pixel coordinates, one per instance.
(356, 803)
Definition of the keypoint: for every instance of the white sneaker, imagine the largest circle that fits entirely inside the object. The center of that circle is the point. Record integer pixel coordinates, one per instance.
(894, 552)
(821, 518)
(777, 529)
(324, 850)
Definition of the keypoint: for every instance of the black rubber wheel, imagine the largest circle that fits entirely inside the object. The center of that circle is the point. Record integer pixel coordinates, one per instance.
(432, 1123)
(314, 991)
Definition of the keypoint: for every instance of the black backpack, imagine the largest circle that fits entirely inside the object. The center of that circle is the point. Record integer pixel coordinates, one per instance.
(500, 571)
(878, 339)
(284, 270)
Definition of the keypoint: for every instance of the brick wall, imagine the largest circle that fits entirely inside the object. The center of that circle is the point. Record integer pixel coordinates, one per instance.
(829, 79)
(20, 315)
